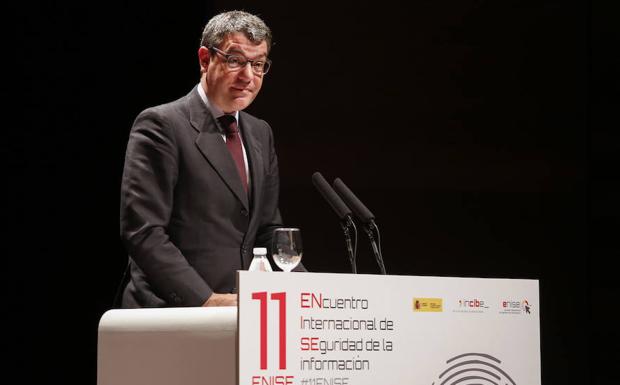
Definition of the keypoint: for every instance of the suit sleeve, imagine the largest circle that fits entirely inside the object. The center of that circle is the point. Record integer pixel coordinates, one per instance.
(147, 198)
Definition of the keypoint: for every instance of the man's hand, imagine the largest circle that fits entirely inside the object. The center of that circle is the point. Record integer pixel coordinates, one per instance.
(221, 300)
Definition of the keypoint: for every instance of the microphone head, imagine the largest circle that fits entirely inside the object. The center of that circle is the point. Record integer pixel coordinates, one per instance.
(352, 201)
(328, 193)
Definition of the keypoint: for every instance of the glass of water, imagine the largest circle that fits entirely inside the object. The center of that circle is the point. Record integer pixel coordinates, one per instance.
(286, 249)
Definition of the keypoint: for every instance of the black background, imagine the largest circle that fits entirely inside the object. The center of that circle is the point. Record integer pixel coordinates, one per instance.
(463, 126)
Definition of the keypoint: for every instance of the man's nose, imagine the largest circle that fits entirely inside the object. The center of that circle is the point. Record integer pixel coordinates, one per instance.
(246, 72)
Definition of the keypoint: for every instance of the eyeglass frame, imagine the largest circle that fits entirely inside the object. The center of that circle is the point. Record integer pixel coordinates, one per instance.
(246, 61)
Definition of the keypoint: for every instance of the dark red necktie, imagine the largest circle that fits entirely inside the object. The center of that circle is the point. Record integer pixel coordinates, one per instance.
(233, 142)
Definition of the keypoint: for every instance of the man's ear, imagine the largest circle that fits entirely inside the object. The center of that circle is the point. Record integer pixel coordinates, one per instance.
(204, 56)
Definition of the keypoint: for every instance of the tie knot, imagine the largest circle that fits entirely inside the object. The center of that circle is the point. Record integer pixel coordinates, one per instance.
(229, 124)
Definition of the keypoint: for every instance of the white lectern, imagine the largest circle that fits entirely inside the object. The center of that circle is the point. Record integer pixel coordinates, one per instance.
(188, 346)
(333, 329)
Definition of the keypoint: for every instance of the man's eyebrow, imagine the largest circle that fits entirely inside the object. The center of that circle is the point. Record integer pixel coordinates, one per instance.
(238, 51)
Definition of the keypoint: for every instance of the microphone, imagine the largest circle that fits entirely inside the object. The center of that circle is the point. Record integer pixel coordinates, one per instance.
(356, 205)
(364, 215)
(342, 211)
(339, 207)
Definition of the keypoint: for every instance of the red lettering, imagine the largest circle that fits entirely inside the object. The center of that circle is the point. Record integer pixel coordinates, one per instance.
(308, 343)
(310, 300)
(272, 380)
(262, 297)
(281, 297)
(317, 300)
(304, 300)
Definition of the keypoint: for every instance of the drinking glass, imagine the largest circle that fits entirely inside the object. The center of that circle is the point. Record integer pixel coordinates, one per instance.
(286, 249)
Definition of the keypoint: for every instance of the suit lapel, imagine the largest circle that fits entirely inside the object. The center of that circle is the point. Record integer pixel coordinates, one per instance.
(212, 146)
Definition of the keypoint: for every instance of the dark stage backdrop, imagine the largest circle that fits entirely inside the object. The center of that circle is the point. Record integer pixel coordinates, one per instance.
(460, 124)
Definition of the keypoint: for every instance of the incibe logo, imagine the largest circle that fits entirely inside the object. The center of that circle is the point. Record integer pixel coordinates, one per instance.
(474, 305)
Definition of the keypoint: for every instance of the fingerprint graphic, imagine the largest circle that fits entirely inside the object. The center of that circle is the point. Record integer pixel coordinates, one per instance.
(474, 369)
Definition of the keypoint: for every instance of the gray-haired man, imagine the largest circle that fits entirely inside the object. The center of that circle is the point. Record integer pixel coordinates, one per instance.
(200, 183)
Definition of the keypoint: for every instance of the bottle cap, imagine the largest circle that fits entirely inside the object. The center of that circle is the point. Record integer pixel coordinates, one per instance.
(259, 251)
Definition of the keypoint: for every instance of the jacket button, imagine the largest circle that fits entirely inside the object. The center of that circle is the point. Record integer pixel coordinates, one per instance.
(244, 212)
(176, 299)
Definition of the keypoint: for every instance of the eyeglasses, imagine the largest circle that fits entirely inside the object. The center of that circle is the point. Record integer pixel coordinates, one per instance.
(235, 62)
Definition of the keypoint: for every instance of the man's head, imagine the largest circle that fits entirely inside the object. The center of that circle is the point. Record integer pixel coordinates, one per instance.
(229, 40)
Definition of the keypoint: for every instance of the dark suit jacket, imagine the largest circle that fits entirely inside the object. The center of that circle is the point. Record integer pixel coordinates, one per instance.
(186, 220)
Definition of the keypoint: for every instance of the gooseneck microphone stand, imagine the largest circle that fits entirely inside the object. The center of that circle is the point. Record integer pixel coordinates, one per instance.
(344, 214)
(372, 229)
(348, 227)
(365, 216)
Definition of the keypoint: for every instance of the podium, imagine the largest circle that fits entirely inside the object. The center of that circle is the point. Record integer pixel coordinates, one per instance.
(167, 346)
(333, 329)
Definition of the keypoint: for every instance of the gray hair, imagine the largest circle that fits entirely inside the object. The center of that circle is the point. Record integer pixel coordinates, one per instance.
(224, 24)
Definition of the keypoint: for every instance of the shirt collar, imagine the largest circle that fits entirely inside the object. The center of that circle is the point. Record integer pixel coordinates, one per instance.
(212, 107)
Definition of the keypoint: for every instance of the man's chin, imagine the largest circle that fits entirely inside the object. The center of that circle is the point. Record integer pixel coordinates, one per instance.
(239, 104)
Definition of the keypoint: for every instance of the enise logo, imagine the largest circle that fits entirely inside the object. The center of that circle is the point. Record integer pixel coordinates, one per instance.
(511, 306)
(473, 368)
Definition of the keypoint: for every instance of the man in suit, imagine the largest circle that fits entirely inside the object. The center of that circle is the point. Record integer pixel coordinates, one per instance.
(200, 183)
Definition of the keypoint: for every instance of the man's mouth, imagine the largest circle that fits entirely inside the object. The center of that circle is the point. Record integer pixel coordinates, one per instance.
(242, 89)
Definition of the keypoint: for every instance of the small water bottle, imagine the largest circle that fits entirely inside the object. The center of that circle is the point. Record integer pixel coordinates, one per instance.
(260, 261)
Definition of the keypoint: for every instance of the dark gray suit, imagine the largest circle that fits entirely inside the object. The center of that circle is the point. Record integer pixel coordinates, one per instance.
(186, 220)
